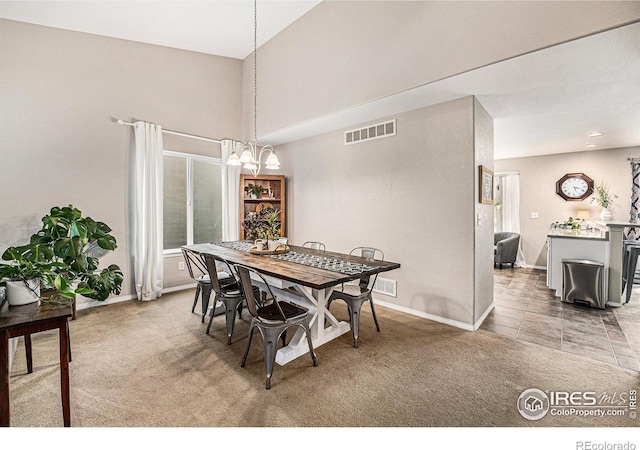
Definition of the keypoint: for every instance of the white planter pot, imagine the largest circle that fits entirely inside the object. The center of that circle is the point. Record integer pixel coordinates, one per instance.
(19, 294)
(605, 215)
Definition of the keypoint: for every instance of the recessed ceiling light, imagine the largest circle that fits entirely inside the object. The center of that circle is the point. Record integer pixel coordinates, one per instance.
(591, 145)
(595, 134)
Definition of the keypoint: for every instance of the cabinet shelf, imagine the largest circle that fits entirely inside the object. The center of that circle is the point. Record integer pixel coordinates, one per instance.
(261, 200)
(273, 183)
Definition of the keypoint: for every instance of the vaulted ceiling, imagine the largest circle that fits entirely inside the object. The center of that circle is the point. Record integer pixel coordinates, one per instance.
(543, 102)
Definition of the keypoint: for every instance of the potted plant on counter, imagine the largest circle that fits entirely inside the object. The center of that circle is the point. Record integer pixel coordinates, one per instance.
(64, 255)
(604, 200)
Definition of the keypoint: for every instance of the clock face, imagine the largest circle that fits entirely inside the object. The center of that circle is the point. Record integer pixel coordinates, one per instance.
(574, 187)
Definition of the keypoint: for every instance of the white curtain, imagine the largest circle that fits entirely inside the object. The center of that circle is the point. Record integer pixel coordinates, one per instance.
(147, 211)
(230, 194)
(510, 184)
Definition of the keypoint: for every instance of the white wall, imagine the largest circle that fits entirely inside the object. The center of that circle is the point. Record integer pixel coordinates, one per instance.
(346, 53)
(538, 176)
(412, 195)
(59, 91)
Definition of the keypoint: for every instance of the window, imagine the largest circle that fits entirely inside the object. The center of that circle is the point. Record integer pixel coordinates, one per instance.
(192, 200)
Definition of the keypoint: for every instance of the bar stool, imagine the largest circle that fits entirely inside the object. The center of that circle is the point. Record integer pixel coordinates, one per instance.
(629, 264)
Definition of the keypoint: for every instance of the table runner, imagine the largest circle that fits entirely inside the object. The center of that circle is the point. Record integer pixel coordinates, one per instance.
(322, 262)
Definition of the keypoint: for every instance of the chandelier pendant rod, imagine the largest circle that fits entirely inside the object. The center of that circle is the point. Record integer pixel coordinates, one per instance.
(252, 156)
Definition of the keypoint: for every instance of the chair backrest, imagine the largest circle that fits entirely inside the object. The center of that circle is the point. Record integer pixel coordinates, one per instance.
(244, 273)
(502, 235)
(212, 262)
(315, 245)
(195, 264)
(366, 284)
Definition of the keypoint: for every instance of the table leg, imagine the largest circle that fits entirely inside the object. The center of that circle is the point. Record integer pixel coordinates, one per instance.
(64, 373)
(315, 301)
(27, 349)
(69, 341)
(4, 379)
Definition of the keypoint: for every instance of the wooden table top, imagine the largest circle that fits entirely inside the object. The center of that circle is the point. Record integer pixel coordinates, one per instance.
(37, 312)
(313, 277)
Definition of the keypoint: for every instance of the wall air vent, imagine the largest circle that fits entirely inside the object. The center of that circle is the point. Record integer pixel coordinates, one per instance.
(385, 286)
(376, 131)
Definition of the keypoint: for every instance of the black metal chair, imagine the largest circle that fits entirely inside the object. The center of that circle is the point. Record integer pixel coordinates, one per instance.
(631, 251)
(355, 295)
(230, 293)
(315, 245)
(198, 271)
(272, 320)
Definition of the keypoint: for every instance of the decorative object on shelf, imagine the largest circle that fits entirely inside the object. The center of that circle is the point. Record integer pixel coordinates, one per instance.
(254, 190)
(604, 200)
(263, 206)
(486, 186)
(251, 157)
(62, 256)
(574, 187)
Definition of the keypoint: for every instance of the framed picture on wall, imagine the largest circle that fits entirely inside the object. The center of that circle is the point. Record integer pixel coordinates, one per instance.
(486, 186)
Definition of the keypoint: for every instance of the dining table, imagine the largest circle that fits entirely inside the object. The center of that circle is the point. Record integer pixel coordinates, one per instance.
(305, 277)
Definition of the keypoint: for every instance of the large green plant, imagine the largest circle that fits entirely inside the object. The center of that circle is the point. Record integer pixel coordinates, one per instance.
(58, 254)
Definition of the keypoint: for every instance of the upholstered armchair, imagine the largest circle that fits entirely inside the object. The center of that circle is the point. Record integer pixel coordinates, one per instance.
(506, 248)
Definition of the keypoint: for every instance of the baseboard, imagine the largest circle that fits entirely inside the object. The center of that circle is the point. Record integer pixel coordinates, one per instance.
(484, 316)
(413, 312)
(86, 303)
(443, 320)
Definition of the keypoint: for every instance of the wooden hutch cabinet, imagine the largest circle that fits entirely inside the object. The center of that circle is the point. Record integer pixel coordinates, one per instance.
(268, 194)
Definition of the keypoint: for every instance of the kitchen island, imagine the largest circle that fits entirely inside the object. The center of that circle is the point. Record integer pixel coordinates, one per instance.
(603, 244)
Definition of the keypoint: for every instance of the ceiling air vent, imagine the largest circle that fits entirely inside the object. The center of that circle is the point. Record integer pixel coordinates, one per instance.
(370, 132)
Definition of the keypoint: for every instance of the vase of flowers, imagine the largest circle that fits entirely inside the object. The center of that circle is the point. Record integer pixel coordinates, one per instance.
(604, 200)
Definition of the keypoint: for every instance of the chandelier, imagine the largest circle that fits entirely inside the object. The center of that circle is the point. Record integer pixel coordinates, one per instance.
(251, 156)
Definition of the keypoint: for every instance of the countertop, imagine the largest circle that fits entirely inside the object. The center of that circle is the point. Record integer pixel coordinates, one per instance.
(595, 235)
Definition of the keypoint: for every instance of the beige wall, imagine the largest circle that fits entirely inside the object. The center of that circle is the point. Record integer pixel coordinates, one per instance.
(412, 195)
(345, 53)
(59, 91)
(538, 176)
(483, 243)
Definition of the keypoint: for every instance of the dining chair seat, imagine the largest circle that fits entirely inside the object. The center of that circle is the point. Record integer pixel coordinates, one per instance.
(228, 293)
(354, 295)
(272, 321)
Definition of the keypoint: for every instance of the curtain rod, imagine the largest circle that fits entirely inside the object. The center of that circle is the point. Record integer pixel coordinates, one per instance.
(177, 133)
(633, 159)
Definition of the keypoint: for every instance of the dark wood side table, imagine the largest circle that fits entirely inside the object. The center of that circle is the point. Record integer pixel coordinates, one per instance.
(23, 321)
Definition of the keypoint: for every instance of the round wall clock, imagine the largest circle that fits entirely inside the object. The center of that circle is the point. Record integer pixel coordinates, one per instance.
(574, 187)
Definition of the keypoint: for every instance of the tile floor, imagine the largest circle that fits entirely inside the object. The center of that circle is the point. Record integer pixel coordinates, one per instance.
(527, 310)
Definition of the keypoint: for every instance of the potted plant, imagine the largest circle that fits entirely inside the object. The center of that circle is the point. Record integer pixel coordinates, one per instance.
(271, 230)
(65, 252)
(29, 268)
(604, 200)
(254, 190)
